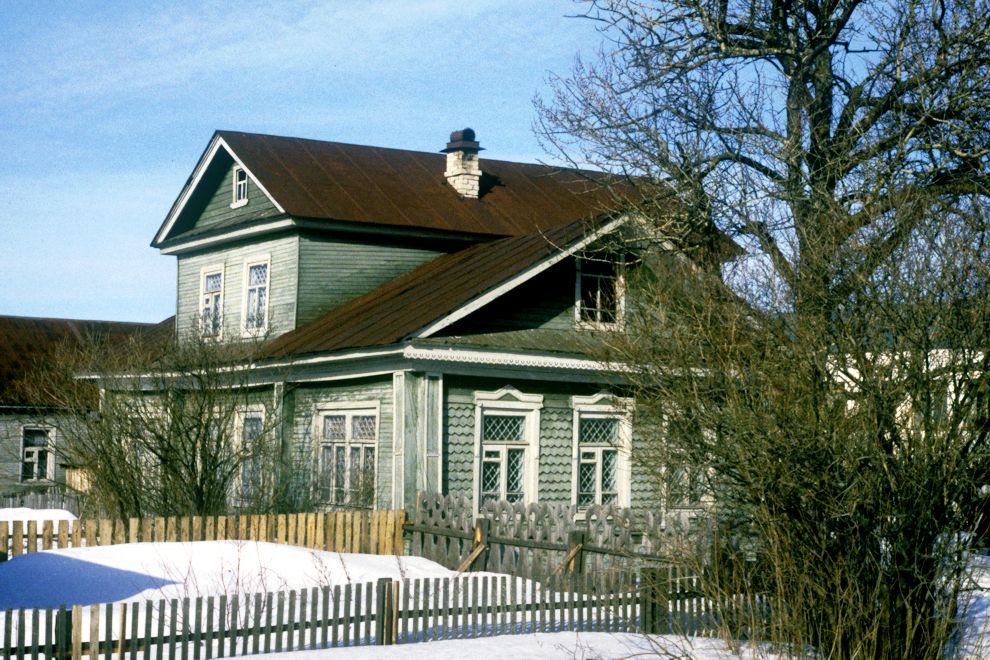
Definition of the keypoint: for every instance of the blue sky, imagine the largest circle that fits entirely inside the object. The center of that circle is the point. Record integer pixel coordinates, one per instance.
(106, 106)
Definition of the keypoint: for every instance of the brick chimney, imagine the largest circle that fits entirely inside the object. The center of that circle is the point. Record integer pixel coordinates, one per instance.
(463, 170)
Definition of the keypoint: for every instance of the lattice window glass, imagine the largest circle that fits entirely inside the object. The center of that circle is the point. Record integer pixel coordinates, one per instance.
(334, 427)
(363, 427)
(503, 428)
(211, 309)
(257, 297)
(587, 478)
(598, 430)
(514, 474)
(609, 482)
(597, 476)
(503, 468)
(251, 467)
(347, 458)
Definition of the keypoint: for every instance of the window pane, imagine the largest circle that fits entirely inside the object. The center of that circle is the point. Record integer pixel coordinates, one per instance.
(369, 461)
(363, 427)
(608, 308)
(598, 284)
(259, 311)
(252, 302)
(333, 427)
(586, 484)
(27, 467)
(598, 430)
(258, 275)
(213, 282)
(338, 474)
(252, 428)
(491, 478)
(326, 472)
(514, 475)
(609, 482)
(35, 438)
(502, 428)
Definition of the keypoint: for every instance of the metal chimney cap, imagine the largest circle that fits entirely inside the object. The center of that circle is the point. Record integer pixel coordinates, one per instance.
(462, 140)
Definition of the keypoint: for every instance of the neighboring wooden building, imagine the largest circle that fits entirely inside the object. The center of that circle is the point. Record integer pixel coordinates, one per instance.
(30, 435)
(427, 317)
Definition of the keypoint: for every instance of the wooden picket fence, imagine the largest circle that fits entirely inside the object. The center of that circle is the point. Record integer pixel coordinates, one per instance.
(373, 613)
(535, 540)
(372, 532)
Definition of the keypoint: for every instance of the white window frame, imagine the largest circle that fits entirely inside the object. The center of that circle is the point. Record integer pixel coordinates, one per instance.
(602, 405)
(203, 274)
(256, 330)
(240, 417)
(239, 189)
(620, 295)
(49, 449)
(348, 409)
(510, 402)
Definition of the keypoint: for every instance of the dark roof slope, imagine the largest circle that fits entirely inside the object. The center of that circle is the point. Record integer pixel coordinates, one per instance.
(26, 342)
(402, 306)
(352, 183)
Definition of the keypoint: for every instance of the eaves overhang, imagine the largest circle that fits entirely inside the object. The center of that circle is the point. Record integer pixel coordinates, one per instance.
(364, 363)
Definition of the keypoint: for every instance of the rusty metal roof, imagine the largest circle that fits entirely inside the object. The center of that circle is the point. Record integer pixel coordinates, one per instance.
(399, 308)
(26, 342)
(392, 187)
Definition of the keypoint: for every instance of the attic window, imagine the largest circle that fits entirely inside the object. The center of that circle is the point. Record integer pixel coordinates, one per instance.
(599, 290)
(240, 188)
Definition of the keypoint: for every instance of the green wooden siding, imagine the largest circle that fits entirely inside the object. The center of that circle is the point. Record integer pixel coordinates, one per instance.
(546, 301)
(333, 271)
(281, 285)
(306, 400)
(218, 209)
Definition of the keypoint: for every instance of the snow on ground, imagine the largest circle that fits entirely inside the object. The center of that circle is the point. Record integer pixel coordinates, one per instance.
(975, 642)
(142, 571)
(551, 646)
(40, 515)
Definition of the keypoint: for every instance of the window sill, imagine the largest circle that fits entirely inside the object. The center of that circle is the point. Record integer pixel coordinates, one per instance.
(237, 205)
(254, 333)
(604, 327)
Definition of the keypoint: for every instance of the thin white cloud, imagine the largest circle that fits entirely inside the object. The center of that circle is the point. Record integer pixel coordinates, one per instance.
(260, 40)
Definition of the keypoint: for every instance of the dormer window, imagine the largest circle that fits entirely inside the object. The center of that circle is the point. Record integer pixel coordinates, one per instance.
(240, 197)
(599, 290)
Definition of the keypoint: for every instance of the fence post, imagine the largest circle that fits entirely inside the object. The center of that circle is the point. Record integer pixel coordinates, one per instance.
(482, 529)
(654, 606)
(385, 612)
(63, 633)
(575, 541)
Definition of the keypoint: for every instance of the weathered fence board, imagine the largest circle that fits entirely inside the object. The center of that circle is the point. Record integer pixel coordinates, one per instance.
(372, 532)
(382, 612)
(535, 541)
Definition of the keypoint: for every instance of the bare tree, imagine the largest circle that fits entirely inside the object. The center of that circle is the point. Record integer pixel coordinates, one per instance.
(835, 393)
(165, 428)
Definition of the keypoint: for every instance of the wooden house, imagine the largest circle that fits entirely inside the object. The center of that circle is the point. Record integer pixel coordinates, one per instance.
(425, 316)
